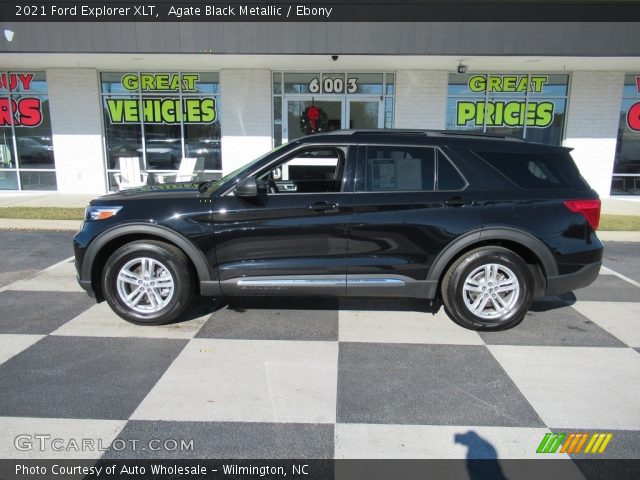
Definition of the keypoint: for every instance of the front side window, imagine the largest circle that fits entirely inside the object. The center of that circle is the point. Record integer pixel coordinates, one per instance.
(26, 147)
(161, 118)
(626, 169)
(530, 106)
(313, 170)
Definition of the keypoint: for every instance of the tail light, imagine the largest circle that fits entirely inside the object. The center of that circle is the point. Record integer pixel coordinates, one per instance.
(590, 209)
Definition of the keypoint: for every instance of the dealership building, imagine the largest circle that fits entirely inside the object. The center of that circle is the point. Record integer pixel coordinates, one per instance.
(79, 99)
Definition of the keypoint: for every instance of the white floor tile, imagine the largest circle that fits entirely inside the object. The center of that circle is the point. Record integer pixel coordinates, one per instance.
(621, 319)
(11, 345)
(403, 327)
(58, 438)
(58, 278)
(247, 381)
(606, 271)
(100, 321)
(436, 441)
(577, 387)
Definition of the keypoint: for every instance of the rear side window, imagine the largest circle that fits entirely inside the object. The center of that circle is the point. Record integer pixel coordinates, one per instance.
(536, 171)
(400, 169)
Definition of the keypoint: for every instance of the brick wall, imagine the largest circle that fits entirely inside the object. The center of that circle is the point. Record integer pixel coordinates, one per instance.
(421, 99)
(74, 103)
(592, 125)
(245, 116)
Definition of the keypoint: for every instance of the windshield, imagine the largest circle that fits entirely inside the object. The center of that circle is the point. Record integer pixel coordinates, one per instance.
(247, 166)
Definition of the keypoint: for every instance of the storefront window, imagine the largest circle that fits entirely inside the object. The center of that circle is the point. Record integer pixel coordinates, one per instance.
(531, 106)
(162, 117)
(26, 148)
(305, 103)
(626, 169)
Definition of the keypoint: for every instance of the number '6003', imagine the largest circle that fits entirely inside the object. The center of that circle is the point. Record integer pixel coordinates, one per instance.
(333, 85)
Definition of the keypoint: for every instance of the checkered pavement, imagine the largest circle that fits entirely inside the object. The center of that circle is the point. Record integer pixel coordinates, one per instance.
(311, 378)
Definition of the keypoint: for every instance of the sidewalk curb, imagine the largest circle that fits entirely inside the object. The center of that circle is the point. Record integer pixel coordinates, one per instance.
(610, 236)
(31, 224)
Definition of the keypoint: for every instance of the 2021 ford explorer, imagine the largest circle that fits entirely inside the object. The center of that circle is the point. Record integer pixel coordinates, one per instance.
(483, 224)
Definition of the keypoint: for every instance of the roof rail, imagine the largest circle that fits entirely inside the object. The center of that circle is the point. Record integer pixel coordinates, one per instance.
(429, 133)
(462, 133)
(379, 131)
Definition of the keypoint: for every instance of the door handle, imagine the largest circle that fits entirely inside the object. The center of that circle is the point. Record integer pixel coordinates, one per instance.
(324, 206)
(456, 202)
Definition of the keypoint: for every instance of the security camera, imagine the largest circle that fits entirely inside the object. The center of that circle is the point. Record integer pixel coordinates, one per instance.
(462, 68)
(334, 58)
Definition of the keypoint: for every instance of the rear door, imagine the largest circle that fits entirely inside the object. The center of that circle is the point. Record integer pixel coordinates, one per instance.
(410, 202)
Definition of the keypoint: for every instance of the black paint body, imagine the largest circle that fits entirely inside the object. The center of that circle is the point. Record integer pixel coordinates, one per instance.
(344, 237)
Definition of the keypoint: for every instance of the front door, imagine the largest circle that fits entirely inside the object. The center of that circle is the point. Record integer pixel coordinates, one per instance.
(292, 238)
(332, 118)
(362, 112)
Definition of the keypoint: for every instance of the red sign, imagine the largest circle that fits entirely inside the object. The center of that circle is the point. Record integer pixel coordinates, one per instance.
(20, 111)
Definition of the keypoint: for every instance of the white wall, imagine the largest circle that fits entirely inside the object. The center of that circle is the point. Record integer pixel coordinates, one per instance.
(592, 125)
(245, 116)
(74, 103)
(421, 99)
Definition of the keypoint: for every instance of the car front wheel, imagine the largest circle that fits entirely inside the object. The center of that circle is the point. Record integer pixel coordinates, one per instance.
(488, 288)
(148, 282)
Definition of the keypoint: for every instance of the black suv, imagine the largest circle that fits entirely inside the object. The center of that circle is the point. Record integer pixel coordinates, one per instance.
(482, 223)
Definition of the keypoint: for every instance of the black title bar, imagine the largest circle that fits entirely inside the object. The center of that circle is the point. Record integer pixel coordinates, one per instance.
(321, 11)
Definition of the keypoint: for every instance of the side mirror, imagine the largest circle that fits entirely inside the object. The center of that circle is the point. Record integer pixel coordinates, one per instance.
(247, 188)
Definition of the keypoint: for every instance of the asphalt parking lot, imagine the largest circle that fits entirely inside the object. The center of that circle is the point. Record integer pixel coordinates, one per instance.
(311, 379)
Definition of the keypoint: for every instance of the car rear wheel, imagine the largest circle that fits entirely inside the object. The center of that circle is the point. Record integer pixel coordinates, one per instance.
(148, 282)
(488, 288)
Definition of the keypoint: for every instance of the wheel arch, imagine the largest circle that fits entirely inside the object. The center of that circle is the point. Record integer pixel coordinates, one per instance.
(530, 248)
(109, 241)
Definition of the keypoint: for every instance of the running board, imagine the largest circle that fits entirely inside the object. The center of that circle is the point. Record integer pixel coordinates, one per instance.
(330, 285)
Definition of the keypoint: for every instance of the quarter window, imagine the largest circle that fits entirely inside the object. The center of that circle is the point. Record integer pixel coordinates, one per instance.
(449, 178)
(549, 171)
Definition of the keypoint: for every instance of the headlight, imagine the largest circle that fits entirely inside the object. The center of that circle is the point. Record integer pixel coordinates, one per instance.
(100, 213)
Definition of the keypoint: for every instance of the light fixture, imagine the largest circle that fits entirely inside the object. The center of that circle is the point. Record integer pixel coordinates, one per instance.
(8, 34)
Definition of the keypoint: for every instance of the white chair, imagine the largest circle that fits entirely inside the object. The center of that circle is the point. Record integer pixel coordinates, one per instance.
(189, 169)
(130, 175)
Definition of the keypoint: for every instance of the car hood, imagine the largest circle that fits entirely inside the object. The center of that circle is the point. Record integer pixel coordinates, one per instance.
(161, 190)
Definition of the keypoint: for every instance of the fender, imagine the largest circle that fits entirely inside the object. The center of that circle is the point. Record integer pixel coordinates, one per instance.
(206, 275)
(493, 233)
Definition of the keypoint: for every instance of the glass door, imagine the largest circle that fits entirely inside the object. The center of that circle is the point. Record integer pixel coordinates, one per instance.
(364, 113)
(300, 120)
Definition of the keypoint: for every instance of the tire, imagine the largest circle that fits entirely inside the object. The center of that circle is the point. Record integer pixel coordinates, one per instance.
(168, 289)
(466, 286)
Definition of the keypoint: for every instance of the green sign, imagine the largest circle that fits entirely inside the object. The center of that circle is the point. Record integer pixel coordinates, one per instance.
(506, 113)
(164, 110)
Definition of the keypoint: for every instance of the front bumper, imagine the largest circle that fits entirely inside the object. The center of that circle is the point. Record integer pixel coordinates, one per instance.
(572, 281)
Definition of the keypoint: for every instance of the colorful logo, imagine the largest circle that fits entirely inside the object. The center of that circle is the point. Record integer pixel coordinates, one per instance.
(574, 442)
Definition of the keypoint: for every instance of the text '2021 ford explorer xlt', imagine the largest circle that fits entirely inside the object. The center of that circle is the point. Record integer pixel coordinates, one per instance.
(482, 223)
